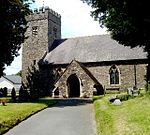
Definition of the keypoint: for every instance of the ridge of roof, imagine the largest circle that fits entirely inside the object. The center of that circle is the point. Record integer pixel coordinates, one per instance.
(87, 36)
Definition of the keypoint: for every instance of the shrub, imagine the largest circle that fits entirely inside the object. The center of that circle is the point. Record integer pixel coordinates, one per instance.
(123, 97)
(13, 95)
(23, 94)
(34, 94)
(1, 92)
(5, 92)
(147, 87)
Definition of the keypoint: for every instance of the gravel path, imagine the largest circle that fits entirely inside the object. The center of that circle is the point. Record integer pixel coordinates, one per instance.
(67, 117)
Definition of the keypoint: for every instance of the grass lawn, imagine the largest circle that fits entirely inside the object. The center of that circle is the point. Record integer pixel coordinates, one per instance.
(130, 118)
(13, 113)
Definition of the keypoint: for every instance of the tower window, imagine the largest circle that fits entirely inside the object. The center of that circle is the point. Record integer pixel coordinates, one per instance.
(55, 32)
(34, 30)
(114, 75)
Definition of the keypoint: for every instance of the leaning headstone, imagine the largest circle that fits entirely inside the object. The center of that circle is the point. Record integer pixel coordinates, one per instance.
(133, 91)
(130, 91)
(136, 92)
(117, 102)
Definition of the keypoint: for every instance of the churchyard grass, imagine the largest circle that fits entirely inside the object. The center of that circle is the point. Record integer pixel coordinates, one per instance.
(130, 118)
(14, 113)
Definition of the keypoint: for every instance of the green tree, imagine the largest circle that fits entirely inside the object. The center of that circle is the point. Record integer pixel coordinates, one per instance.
(128, 21)
(13, 94)
(19, 73)
(12, 28)
(40, 82)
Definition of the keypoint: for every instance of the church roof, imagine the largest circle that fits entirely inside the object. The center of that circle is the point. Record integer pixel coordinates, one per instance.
(98, 48)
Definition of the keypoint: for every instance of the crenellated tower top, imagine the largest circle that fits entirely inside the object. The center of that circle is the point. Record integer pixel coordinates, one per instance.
(43, 13)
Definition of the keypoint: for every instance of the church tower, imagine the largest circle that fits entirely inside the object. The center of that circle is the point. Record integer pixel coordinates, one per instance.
(44, 26)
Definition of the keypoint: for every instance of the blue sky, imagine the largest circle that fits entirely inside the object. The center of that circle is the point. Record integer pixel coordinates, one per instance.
(76, 21)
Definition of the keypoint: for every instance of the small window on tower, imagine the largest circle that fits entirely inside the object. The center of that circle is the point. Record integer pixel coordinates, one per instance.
(55, 32)
(34, 30)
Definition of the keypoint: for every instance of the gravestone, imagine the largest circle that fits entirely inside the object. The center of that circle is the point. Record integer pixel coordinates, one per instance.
(133, 91)
(117, 102)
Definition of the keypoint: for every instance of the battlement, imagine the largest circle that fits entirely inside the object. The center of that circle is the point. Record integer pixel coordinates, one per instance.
(42, 13)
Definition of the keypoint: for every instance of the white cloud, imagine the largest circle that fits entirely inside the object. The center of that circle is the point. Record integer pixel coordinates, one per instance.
(75, 18)
(16, 65)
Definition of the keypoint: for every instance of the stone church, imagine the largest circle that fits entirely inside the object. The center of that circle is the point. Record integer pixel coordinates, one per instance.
(86, 65)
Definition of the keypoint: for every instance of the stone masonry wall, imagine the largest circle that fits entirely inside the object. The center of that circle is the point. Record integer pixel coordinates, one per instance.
(86, 83)
(41, 34)
(127, 75)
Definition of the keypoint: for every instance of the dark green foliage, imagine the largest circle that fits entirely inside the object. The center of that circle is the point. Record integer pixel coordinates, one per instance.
(33, 82)
(23, 95)
(123, 97)
(12, 28)
(19, 73)
(40, 81)
(147, 87)
(13, 94)
(3, 92)
(128, 21)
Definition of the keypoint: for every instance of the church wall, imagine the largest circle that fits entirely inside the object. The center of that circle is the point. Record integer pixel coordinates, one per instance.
(141, 73)
(127, 75)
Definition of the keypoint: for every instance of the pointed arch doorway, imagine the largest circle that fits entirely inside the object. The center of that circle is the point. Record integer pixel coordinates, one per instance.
(73, 84)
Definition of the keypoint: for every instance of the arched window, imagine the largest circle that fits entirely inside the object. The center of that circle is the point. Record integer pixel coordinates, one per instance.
(114, 75)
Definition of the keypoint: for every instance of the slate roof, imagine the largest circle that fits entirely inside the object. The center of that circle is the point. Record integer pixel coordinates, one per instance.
(12, 78)
(56, 43)
(98, 48)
